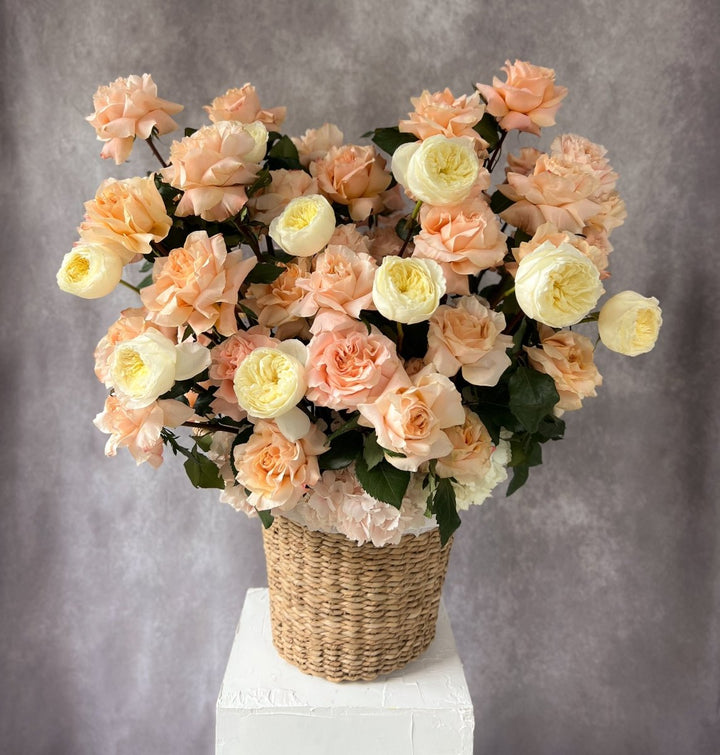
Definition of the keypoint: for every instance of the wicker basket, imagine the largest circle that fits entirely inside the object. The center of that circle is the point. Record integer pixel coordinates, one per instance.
(347, 612)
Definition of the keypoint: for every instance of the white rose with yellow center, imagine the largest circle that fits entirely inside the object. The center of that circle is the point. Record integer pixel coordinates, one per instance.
(270, 382)
(145, 367)
(557, 285)
(90, 271)
(305, 225)
(629, 323)
(259, 134)
(438, 170)
(408, 290)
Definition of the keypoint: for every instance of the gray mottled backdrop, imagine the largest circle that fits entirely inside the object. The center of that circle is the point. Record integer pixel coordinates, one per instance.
(586, 607)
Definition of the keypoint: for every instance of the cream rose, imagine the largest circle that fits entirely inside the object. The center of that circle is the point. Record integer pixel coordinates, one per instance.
(438, 170)
(629, 323)
(146, 366)
(305, 226)
(89, 271)
(408, 290)
(557, 285)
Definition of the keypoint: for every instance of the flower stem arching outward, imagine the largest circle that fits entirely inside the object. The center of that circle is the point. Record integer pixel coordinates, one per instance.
(414, 215)
(496, 153)
(130, 286)
(155, 152)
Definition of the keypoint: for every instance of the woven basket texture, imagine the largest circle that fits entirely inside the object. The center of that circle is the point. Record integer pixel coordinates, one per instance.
(347, 612)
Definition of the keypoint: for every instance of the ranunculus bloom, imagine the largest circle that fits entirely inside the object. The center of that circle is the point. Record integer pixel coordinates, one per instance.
(127, 216)
(139, 429)
(467, 237)
(128, 108)
(568, 358)
(276, 471)
(438, 170)
(443, 113)
(469, 336)
(304, 226)
(348, 366)
(472, 449)
(90, 271)
(527, 101)
(558, 190)
(213, 166)
(285, 186)
(411, 420)
(353, 176)
(629, 323)
(408, 290)
(523, 162)
(243, 105)
(278, 303)
(197, 284)
(557, 285)
(315, 143)
(342, 281)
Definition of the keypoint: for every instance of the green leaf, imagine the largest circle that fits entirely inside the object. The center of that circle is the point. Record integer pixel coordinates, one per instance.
(343, 451)
(445, 507)
(146, 281)
(521, 236)
(283, 154)
(351, 424)
(202, 472)
(372, 451)
(526, 451)
(384, 481)
(488, 130)
(389, 139)
(520, 476)
(242, 437)
(205, 398)
(190, 131)
(204, 441)
(518, 337)
(264, 272)
(551, 428)
(147, 265)
(249, 314)
(266, 518)
(262, 179)
(532, 396)
(499, 202)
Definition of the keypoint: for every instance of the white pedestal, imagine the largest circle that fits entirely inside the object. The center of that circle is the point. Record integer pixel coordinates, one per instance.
(268, 707)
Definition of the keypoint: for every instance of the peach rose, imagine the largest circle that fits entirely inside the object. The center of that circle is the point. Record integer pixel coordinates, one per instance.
(527, 101)
(612, 213)
(568, 358)
(213, 166)
(353, 176)
(469, 337)
(472, 449)
(126, 216)
(443, 113)
(341, 281)
(559, 191)
(276, 471)
(384, 241)
(348, 366)
(197, 284)
(278, 303)
(524, 162)
(580, 150)
(349, 236)
(285, 186)
(243, 105)
(411, 420)
(315, 143)
(139, 429)
(467, 236)
(128, 108)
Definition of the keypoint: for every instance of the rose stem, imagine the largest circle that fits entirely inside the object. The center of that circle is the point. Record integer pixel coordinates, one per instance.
(130, 286)
(155, 152)
(415, 212)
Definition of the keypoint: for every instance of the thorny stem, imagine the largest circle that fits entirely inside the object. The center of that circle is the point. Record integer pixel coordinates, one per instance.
(155, 151)
(414, 215)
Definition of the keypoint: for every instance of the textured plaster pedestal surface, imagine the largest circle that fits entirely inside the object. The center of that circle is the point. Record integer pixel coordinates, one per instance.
(268, 707)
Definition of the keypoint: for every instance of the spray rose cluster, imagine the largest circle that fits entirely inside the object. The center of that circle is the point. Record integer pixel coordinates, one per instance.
(361, 337)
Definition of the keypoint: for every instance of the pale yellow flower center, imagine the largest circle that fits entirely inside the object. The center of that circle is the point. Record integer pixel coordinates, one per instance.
(132, 369)
(77, 268)
(571, 289)
(449, 164)
(411, 281)
(645, 326)
(266, 381)
(301, 214)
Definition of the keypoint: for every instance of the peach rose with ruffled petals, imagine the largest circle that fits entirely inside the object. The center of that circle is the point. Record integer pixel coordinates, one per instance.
(285, 186)
(472, 450)
(581, 150)
(523, 162)
(197, 284)
(527, 101)
(469, 337)
(315, 143)
(276, 471)
(443, 113)
(349, 236)
(243, 105)
(466, 236)
(567, 357)
(353, 176)
(411, 420)
(384, 241)
(348, 366)
(139, 429)
(341, 281)
(559, 191)
(126, 216)
(279, 303)
(213, 166)
(128, 108)
(612, 213)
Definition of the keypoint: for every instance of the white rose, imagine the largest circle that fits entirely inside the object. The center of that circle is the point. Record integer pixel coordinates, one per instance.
(90, 271)
(438, 170)
(629, 323)
(305, 225)
(408, 290)
(557, 285)
(259, 135)
(145, 367)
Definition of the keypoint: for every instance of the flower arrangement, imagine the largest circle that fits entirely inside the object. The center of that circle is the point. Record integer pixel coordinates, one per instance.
(364, 344)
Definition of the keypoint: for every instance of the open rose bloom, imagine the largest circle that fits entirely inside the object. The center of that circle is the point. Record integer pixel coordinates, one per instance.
(364, 338)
